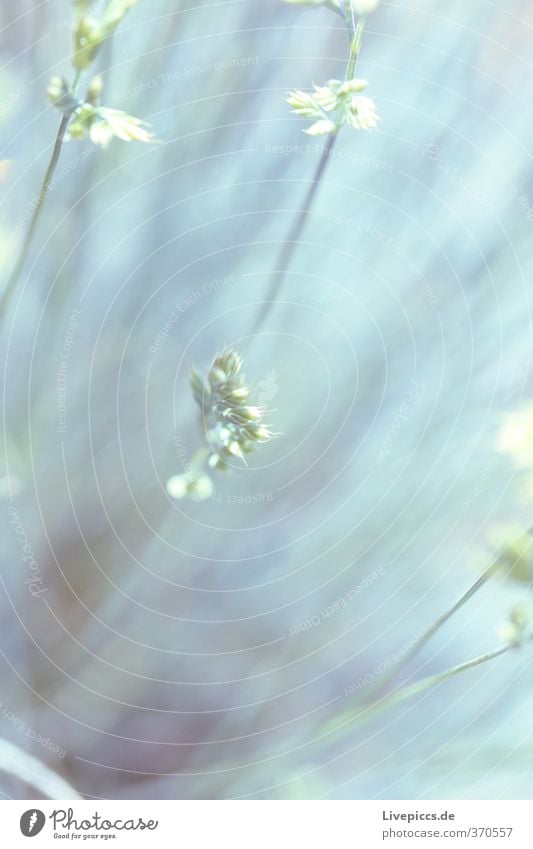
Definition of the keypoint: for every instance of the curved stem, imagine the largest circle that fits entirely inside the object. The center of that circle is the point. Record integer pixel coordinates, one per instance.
(432, 629)
(52, 165)
(355, 49)
(15, 274)
(290, 244)
(395, 698)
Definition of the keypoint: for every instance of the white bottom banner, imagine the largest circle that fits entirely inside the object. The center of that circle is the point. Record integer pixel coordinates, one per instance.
(269, 824)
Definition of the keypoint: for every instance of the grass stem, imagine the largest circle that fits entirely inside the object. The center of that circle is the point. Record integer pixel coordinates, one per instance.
(431, 630)
(340, 723)
(41, 198)
(290, 244)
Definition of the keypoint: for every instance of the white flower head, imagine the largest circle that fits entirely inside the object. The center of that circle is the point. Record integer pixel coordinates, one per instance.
(362, 113)
(233, 428)
(102, 124)
(303, 104)
(363, 7)
(123, 126)
(195, 487)
(89, 33)
(322, 128)
(333, 105)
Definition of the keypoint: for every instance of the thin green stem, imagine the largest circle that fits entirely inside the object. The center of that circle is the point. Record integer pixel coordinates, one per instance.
(355, 49)
(339, 724)
(349, 18)
(432, 629)
(76, 81)
(198, 461)
(290, 244)
(43, 194)
(41, 198)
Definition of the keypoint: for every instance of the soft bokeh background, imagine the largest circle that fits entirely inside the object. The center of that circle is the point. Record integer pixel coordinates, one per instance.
(162, 657)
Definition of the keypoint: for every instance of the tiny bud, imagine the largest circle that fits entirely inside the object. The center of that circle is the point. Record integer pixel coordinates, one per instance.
(216, 376)
(353, 86)
(60, 95)
(512, 631)
(223, 434)
(520, 616)
(200, 488)
(231, 363)
(177, 486)
(364, 7)
(235, 449)
(515, 554)
(321, 128)
(216, 462)
(200, 390)
(235, 416)
(77, 131)
(88, 37)
(57, 88)
(260, 433)
(240, 394)
(95, 90)
(251, 414)
(509, 633)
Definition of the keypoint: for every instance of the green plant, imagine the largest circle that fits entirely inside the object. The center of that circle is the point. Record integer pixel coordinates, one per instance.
(516, 631)
(374, 708)
(331, 106)
(232, 427)
(81, 118)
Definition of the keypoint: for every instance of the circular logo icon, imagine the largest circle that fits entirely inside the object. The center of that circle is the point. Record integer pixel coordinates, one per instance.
(32, 822)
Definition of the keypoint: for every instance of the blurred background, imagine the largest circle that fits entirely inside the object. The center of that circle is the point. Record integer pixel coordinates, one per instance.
(170, 649)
